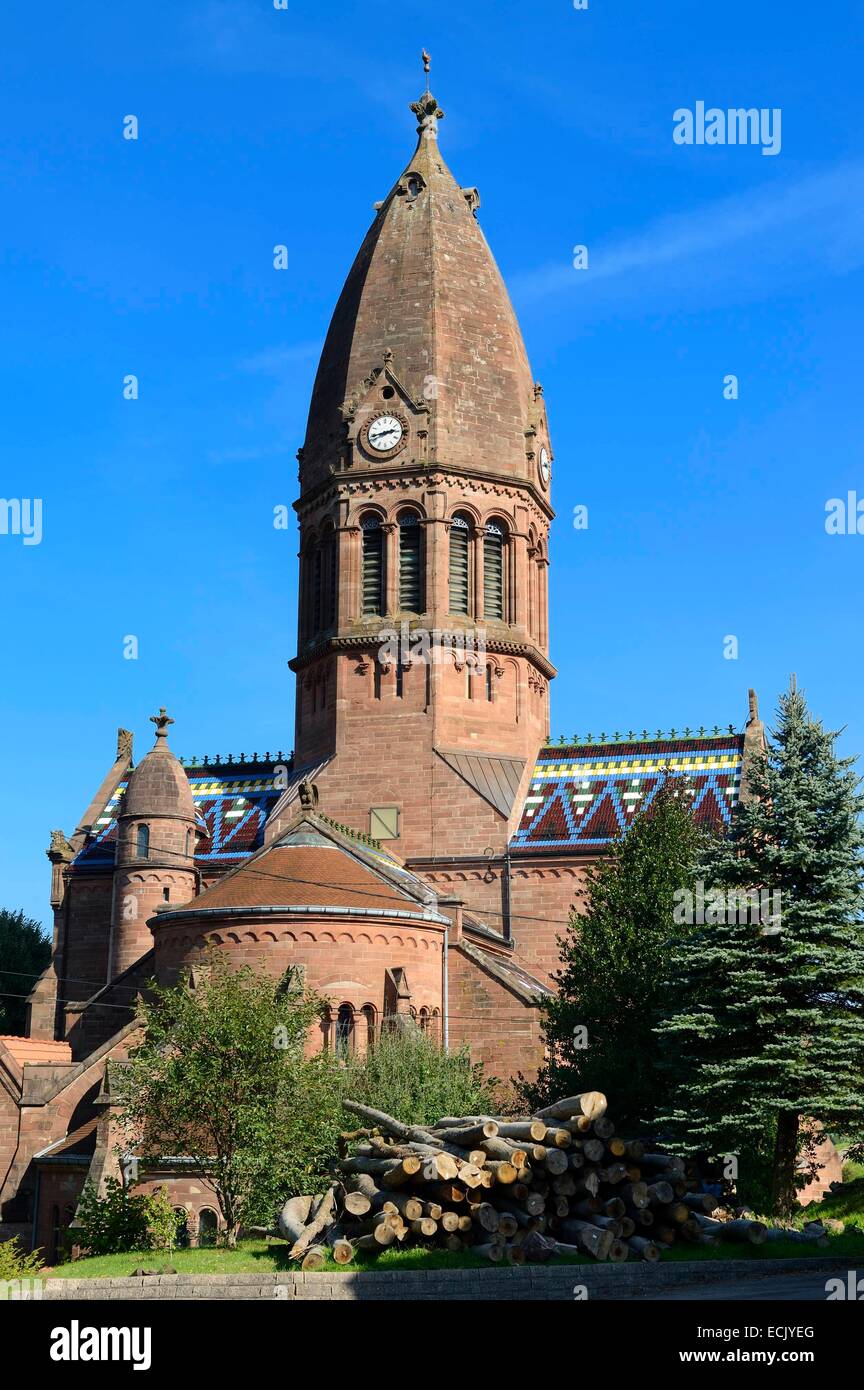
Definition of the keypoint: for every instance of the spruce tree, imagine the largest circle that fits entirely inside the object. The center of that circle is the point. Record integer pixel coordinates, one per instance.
(598, 1028)
(766, 1021)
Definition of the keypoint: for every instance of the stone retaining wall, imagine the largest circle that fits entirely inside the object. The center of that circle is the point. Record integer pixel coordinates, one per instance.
(533, 1282)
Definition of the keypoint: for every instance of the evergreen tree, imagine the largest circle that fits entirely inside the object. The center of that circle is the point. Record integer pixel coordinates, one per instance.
(767, 1007)
(25, 951)
(599, 1027)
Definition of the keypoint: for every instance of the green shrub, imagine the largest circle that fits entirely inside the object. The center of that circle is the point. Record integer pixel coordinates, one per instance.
(411, 1078)
(14, 1264)
(122, 1221)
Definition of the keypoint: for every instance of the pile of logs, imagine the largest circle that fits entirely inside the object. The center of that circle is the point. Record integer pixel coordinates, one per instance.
(509, 1188)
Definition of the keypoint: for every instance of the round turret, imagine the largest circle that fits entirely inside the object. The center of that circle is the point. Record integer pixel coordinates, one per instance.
(156, 835)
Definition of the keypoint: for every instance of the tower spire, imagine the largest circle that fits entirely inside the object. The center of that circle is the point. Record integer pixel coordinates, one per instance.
(426, 108)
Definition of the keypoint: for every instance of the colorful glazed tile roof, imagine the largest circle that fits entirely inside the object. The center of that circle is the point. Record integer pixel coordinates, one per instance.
(583, 796)
(233, 802)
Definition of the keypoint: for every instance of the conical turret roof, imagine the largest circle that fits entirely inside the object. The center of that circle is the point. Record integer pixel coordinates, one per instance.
(425, 288)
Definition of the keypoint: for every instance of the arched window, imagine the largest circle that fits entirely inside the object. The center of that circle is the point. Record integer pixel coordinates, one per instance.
(307, 589)
(369, 1026)
(333, 579)
(208, 1226)
(317, 589)
(142, 842)
(344, 1030)
(460, 552)
(182, 1236)
(489, 683)
(190, 841)
(493, 571)
(424, 1020)
(410, 563)
(373, 567)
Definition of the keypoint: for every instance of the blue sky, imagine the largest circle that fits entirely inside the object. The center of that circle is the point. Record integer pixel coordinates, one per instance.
(258, 127)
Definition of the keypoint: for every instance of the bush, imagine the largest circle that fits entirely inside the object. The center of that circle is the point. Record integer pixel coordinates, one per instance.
(414, 1080)
(14, 1264)
(221, 1076)
(123, 1221)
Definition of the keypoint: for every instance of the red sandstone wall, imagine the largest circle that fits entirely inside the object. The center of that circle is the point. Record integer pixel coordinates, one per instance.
(501, 1031)
(345, 963)
(541, 895)
(88, 931)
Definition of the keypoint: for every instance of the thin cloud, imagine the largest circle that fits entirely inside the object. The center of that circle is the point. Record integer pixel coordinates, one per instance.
(273, 361)
(814, 225)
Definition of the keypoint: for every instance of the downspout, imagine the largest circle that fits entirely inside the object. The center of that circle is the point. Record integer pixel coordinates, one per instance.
(456, 905)
(36, 1208)
(505, 895)
(445, 993)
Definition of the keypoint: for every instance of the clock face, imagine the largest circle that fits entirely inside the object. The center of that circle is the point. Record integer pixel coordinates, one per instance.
(545, 468)
(384, 433)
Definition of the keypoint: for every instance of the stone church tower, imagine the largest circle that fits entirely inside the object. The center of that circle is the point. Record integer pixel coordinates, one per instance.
(422, 664)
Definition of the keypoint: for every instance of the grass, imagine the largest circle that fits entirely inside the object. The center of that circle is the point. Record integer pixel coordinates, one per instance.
(270, 1257)
(250, 1257)
(259, 1257)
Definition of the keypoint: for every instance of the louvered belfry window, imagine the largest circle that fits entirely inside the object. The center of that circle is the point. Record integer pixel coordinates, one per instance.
(493, 572)
(333, 592)
(373, 567)
(410, 564)
(317, 590)
(460, 549)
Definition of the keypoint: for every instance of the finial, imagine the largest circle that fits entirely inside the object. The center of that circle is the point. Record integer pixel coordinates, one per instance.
(426, 109)
(161, 721)
(754, 707)
(308, 793)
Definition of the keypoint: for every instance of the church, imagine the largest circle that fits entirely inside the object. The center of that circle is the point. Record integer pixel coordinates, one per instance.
(420, 850)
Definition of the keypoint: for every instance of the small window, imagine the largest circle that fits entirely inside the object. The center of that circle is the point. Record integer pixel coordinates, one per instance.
(166, 895)
(344, 1030)
(493, 572)
(459, 564)
(142, 842)
(208, 1227)
(333, 581)
(384, 822)
(489, 683)
(410, 564)
(373, 567)
(181, 1237)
